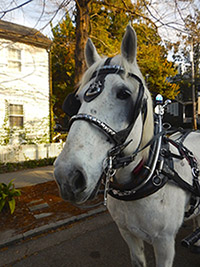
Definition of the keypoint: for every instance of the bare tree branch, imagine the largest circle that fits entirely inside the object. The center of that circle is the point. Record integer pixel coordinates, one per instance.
(180, 13)
(63, 5)
(14, 8)
(159, 20)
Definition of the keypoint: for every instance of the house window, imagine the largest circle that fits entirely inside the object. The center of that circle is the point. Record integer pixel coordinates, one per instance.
(14, 59)
(16, 115)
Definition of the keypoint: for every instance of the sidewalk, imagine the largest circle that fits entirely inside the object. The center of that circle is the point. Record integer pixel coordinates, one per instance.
(49, 211)
(28, 177)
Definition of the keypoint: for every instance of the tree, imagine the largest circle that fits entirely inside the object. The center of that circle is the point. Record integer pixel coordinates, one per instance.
(161, 13)
(82, 26)
(152, 59)
(193, 39)
(63, 63)
(116, 14)
(107, 22)
(189, 39)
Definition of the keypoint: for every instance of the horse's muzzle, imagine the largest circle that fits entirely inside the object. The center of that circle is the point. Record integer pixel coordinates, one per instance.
(71, 185)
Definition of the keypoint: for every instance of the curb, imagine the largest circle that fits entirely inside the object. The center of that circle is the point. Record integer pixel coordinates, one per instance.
(48, 227)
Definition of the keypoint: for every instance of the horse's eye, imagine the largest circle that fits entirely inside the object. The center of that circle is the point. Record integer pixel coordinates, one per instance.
(123, 93)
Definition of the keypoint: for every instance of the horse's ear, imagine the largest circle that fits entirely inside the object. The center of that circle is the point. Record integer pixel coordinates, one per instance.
(129, 44)
(91, 55)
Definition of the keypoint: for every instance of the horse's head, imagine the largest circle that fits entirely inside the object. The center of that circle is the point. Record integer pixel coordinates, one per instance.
(112, 96)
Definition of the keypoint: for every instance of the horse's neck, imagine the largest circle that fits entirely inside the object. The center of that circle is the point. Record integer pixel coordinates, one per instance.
(148, 130)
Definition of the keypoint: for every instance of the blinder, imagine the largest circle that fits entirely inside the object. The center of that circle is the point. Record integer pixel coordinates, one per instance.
(97, 86)
(71, 104)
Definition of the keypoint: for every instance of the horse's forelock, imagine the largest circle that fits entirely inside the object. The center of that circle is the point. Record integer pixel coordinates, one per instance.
(117, 60)
(88, 74)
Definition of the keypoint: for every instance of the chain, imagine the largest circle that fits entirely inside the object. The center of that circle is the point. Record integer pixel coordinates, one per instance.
(110, 172)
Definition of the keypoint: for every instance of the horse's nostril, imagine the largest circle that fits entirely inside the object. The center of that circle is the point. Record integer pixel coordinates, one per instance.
(79, 182)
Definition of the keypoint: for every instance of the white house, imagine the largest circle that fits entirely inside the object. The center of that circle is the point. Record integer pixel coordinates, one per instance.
(24, 85)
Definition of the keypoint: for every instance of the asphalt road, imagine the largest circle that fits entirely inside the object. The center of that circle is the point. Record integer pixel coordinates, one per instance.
(94, 242)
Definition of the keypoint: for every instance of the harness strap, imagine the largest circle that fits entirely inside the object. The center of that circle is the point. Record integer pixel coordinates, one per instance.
(149, 188)
(146, 172)
(101, 125)
(173, 175)
(97, 86)
(162, 174)
(193, 205)
(108, 60)
(124, 161)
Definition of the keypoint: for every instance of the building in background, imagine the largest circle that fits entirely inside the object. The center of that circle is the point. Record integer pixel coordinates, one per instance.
(180, 112)
(24, 85)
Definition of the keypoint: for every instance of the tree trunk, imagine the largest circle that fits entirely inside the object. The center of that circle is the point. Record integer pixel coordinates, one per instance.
(82, 27)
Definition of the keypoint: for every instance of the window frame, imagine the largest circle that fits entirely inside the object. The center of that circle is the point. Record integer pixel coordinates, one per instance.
(14, 114)
(11, 60)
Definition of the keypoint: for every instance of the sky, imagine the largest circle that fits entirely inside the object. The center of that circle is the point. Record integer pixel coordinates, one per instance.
(169, 16)
(35, 14)
(38, 13)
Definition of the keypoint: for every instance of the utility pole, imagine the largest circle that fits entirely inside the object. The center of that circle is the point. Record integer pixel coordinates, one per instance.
(193, 88)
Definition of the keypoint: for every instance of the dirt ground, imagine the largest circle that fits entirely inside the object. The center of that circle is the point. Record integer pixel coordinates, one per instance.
(24, 219)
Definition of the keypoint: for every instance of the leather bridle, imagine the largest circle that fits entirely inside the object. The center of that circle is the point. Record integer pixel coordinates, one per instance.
(118, 138)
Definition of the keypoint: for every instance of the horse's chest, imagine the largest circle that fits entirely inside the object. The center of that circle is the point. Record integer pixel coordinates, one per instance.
(131, 217)
(152, 216)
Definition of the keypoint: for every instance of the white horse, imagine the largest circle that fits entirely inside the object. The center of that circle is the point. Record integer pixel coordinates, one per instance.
(112, 102)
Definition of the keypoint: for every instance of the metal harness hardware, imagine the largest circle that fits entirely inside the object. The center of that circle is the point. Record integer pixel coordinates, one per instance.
(159, 171)
(152, 178)
(109, 172)
(173, 175)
